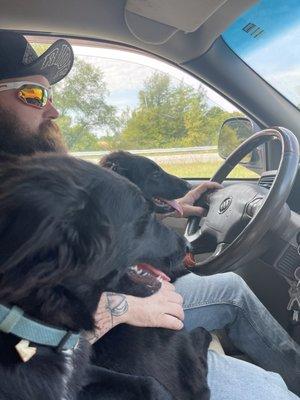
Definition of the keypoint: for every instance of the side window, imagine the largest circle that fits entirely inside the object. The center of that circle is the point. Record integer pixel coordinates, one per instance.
(119, 100)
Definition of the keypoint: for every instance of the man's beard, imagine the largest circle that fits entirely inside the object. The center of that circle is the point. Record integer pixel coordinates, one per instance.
(17, 140)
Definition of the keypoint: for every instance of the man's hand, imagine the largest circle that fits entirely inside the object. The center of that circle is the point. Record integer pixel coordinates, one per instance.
(187, 202)
(163, 309)
(111, 311)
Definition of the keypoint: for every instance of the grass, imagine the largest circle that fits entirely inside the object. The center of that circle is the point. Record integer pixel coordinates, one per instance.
(205, 170)
(196, 169)
(173, 153)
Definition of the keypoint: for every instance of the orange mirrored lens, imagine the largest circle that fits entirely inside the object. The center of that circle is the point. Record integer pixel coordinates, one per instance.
(34, 95)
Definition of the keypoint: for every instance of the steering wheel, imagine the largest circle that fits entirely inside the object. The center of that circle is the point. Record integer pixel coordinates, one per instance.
(240, 215)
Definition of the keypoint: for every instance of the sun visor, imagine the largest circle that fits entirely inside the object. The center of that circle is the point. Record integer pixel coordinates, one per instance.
(186, 16)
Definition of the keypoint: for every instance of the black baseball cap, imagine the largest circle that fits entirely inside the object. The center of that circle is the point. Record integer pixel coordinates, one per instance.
(18, 58)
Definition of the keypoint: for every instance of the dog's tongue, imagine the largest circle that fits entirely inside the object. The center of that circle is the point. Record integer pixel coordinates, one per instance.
(175, 205)
(154, 271)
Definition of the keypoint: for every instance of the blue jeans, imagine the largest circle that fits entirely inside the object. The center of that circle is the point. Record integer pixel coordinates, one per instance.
(225, 301)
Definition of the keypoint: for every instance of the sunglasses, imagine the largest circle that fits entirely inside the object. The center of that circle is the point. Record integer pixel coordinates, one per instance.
(31, 93)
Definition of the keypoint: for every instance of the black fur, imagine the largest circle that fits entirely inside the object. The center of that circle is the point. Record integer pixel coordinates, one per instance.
(176, 359)
(68, 231)
(153, 181)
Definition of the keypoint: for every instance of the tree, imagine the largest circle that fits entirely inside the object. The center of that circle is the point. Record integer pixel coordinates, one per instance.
(77, 137)
(82, 101)
(159, 119)
(146, 125)
(194, 120)
(204, 124)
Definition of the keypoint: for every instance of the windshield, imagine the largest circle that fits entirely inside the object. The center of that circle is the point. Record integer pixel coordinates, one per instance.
(267, 38)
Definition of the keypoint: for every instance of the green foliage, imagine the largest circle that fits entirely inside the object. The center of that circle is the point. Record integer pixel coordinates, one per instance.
(77, 137)
(158, 119)
(82, 101)
(167, 115)
(171, 115)
(150, 123)
(203, 128)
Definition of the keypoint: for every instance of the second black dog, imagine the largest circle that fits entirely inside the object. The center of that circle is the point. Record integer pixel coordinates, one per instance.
(157, 186)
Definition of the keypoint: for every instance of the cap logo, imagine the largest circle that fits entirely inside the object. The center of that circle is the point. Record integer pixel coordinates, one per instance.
(59, 57)
(29, 55)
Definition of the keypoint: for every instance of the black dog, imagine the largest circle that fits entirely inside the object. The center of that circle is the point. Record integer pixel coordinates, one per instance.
(176, 359)
(157, 186)
(156, 347)
(67, 235)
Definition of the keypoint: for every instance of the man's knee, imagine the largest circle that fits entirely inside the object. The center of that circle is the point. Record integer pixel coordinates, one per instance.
(237, 285)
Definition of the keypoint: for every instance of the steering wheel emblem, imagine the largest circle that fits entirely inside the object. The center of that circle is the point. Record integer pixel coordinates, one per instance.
(225, 205)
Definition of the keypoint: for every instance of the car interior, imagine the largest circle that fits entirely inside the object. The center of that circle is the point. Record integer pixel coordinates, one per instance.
(195, 37)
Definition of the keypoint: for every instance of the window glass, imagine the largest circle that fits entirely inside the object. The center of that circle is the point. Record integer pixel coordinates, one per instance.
(120, 100)
(267, 38)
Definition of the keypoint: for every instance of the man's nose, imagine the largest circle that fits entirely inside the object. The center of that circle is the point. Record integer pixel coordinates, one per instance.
(50, 111)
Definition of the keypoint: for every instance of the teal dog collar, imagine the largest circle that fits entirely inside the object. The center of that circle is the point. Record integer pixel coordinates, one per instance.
(12, 320)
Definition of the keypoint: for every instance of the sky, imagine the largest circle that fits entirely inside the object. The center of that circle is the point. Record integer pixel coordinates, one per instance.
(275, 53)
(119, 64)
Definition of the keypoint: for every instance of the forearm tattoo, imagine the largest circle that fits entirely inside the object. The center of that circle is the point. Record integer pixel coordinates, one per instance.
(111, 306)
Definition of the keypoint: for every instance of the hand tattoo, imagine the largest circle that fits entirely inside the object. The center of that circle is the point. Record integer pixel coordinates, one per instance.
(111, 305)
(116, 304)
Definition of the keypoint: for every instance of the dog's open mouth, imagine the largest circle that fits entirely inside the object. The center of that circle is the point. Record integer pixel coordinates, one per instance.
(142, 276)
(167, 206)
(143, 270)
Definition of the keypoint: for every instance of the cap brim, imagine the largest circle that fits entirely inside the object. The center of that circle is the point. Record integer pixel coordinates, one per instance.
(54, 64)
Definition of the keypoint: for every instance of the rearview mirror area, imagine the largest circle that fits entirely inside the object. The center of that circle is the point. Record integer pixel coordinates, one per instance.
(233, 132)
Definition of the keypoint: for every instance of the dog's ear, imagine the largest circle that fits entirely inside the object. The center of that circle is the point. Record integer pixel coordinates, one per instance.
(29, 255)
(87, 233)
(44, 239)
(115, 162)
